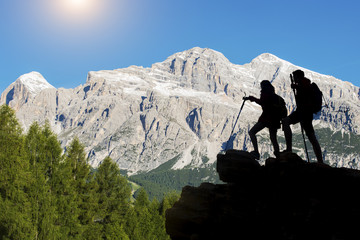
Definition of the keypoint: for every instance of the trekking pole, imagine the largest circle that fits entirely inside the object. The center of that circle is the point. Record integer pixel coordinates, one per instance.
(326, 103)
(242, 105)
(302, 129)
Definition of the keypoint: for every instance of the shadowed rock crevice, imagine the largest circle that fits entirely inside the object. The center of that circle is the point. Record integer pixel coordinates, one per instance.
(287, 198)
(9, 96)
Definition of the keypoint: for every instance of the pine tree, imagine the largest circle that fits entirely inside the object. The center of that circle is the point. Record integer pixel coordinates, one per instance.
(144, 221)
(89, 208)
(157, 227)
(142, 200)
(168, 201)
(15, 213)
(67, 202)
(113, 198)
(43, 152)
(75, 192)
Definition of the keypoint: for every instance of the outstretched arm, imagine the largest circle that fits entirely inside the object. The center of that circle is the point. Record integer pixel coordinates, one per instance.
(253, 99)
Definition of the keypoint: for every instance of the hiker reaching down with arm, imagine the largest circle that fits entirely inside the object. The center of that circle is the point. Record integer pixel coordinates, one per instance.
(274, 110)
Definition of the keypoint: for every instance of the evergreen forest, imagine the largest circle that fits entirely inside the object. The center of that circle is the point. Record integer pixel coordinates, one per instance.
(46, 193)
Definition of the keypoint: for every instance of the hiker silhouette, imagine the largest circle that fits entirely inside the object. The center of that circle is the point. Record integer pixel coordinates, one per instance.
(303, 113)
(274, 110)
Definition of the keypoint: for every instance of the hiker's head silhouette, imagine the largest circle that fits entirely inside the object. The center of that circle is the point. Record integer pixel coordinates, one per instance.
(298, 75)
(267, 87)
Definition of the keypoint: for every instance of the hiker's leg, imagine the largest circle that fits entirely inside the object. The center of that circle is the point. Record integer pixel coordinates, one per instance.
(252, 133)
(293, 118)
(288, 133)
(273, 138)
(316, 147)
(310, 133)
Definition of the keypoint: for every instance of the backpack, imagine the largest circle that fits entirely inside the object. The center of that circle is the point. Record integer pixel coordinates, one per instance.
(279, 107)
(316, 98)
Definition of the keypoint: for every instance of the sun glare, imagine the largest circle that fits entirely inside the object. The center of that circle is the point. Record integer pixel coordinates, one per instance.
(77, 4)
(78, 10)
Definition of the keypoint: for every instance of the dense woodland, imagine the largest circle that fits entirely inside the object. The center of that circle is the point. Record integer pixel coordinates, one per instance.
(50, 194)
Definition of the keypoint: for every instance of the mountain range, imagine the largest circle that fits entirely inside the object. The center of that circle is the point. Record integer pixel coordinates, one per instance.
(180, 113)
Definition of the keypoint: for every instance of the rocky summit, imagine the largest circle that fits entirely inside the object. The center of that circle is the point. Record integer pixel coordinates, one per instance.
(182, 110)
(287, 198)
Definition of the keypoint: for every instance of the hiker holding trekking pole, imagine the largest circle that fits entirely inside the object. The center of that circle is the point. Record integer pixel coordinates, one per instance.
(307, 100)
(274, 110)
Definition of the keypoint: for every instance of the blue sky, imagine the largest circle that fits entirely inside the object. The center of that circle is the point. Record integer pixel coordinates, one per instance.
(64, 44)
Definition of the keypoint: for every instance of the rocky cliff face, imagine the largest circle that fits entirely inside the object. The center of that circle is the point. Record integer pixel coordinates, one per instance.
(286, 198)
(183, 108)
(24, 89)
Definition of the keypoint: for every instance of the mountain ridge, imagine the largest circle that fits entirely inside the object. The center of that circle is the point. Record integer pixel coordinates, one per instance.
(183, 108)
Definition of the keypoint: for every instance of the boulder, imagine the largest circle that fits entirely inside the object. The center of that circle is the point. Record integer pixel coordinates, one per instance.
(287, 198)
(236, 166)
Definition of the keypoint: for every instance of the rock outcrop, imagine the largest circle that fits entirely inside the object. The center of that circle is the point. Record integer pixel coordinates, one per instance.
(287, 198)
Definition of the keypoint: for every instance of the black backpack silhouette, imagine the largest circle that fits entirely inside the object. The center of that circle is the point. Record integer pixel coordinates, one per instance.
(316, 98)
(279, 107)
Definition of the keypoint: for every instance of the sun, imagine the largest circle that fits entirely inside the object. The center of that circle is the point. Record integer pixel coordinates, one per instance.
(77, 11)
(77, 4)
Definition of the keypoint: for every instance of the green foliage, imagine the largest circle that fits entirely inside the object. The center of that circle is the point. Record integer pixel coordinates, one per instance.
(43, 151)
(164, 179)
(48, 194)
(146, 220)
(15, 212)
(168, 201)
(113, 194)
(72, 192)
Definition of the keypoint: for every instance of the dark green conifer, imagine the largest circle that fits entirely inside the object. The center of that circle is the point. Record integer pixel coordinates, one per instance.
(15, 209)
(47, 195)
(113, 198)
(43, 152)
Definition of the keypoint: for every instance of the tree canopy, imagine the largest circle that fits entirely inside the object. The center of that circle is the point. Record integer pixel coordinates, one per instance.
(49, 193)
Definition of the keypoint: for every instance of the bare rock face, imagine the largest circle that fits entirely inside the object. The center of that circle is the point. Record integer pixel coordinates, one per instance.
(24, 89)
(287, 198)
(183, 108)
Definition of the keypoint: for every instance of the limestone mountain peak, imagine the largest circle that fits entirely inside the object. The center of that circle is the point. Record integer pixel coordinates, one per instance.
(182, 109)
(25, 88)
(34, 82)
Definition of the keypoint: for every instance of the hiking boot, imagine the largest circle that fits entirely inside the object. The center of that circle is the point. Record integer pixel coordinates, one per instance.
(255, 154)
